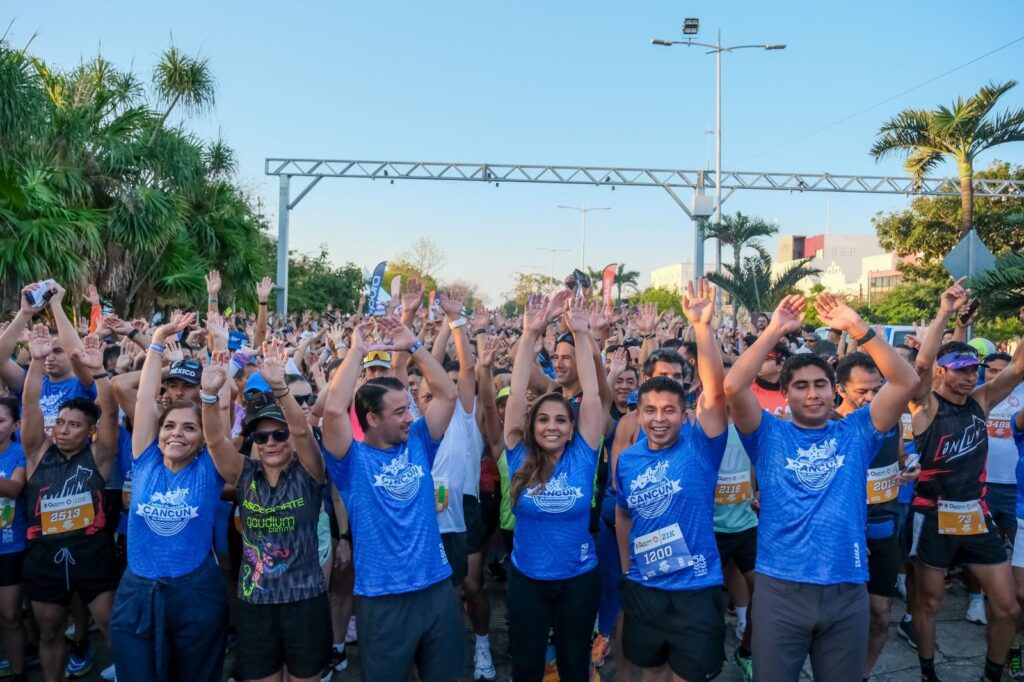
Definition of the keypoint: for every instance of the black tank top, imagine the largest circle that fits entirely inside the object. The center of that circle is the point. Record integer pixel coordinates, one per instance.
(64, 497)
(953, 452)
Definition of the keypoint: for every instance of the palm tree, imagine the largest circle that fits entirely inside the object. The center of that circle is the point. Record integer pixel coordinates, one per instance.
(185, 80)
(631, 278)
(752, 286)
(739, 232)
(959, 132)
(1001, 289)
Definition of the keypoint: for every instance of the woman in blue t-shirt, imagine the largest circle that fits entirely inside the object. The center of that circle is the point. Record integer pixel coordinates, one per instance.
(12, 537)
(552, 459)
(170, 612)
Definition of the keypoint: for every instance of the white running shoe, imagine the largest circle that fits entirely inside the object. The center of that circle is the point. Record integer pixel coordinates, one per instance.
(976, 611)
(483, 666)
(109, 674)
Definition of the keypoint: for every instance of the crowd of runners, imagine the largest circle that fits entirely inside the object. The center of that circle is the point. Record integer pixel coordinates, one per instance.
(278, 486)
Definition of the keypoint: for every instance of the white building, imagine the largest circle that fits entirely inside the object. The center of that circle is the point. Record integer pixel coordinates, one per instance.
(840, 257)
(674, 277)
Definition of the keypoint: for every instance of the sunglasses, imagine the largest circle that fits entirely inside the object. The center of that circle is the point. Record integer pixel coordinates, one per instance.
(263, 437)
(305, 399)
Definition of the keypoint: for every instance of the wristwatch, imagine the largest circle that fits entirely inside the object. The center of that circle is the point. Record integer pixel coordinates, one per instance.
(867, 337)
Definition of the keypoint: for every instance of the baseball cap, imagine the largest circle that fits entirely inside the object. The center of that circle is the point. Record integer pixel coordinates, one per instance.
(377, 358)
(255, 384)
(957, 360)
(187, 370)
(263, 409)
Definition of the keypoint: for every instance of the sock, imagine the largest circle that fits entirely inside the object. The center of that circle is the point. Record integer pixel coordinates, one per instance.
(744, 652)
(79, 648)
(901, 580)
(907, 618)
(928, 668)
(483, 640)
(977, 597)
(340, 647)
(741, 614)
(993, 671)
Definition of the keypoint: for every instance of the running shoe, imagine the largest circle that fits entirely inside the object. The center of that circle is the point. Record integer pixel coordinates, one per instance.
(483, 666)
(339, 661)
(80, 666)
(109, 674)
(976, 611)
(745, 665)
(1015, 666)
(599, 650)
(906, 630)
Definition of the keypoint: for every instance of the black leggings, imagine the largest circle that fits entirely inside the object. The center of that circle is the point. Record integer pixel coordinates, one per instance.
(535, 606)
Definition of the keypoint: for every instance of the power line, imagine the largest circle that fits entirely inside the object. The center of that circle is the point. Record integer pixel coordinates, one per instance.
(884, 101)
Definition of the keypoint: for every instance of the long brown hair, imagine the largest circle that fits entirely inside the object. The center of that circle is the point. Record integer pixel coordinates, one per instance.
(538, 466)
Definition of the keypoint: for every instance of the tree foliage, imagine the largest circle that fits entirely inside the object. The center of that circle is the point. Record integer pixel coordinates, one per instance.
(424, 256)
(661, 297)
(930, 228)
(1001, 290)
(528, 283)
(909, 302)
(314, 282)
(752, 285)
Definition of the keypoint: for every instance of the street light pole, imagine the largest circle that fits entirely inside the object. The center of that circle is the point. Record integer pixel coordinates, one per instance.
(552, 252)
(583, 234)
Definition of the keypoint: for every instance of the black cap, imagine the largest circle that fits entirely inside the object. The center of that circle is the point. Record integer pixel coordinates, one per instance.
(188, 371)
(262, 410)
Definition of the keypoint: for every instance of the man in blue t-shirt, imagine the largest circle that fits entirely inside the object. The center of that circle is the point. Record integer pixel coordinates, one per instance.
(812, 473)
(664, 517)
(407, 608)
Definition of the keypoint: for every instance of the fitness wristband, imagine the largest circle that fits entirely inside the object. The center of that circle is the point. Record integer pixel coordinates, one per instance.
(157, 347)
(867, 337)
(208, 398)
(415, 347)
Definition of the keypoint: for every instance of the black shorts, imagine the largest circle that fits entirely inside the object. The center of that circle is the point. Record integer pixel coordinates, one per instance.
(425, 626)
(686, 629)
(271, 636)
(489, 512)
(55, 570)
(474, 524)
(741, 547)
(885, 558)
(924, 543)
(10, 568)
(455, 550)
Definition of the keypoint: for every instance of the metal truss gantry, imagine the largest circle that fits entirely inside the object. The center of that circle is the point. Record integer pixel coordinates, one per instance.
(669, 180)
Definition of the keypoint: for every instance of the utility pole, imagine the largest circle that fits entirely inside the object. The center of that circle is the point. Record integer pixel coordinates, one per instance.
(583, 235)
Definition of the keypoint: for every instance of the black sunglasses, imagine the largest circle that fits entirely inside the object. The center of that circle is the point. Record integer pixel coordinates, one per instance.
(263, 437)
(309, 399)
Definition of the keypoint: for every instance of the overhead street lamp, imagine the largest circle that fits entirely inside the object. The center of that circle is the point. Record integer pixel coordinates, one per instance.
(552, 252)
(583, 235)
(690, 27)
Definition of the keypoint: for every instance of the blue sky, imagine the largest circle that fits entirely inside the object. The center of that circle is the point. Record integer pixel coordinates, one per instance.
(546, 82)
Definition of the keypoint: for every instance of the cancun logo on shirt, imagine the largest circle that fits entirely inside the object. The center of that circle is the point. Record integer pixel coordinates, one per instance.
(816, 466)
(555, 496)
(651, 492)
(167, 513)
(399, 478)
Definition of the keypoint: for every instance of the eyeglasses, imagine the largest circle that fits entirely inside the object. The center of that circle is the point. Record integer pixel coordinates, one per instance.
(308, 399)
(263, 437)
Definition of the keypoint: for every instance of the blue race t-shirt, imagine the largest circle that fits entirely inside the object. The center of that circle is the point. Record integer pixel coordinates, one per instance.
(670, 496)
(56, 393)
(12, 512)
(1018, 439)
(552, 536)
(389, 495)
(124, 466)
(171, 519)
(813, 485)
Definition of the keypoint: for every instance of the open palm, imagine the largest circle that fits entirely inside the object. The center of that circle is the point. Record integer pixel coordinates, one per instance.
(699, 306)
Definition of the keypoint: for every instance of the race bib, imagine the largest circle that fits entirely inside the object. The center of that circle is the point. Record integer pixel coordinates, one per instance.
(661, 552)
(999, 428)
(126, 494)
(66, 514)
(907, 424)
(733, 488)
(961, 518)
(442, 495)
(882, 485)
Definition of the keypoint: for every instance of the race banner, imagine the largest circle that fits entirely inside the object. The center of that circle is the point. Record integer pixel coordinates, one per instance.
(375, 282)
(607, 282)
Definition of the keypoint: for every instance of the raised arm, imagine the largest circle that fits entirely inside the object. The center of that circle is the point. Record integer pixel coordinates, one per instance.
(213, 292)
(214, 389)
(275, 357)
(900, 378)
(592, 416)
(950, 302)
(743, 405)
(263, 290)
(90, 356)
(646, 327)
(337, 429)
(534, 324)
(699, 309)
(466, 388)
(487, 346)
(11, 373)
(67, 335)
(33, 436)
(144, 424)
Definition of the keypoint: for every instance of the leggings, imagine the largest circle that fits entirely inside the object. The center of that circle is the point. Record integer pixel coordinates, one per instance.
(535, 607)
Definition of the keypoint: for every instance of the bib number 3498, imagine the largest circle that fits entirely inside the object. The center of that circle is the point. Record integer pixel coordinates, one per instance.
(661, 552)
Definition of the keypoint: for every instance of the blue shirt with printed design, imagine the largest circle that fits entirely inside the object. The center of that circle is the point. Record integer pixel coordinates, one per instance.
(389, 495)
(170, 520)
(675, 485)
(12, 512)
(552, 536)
(813, 485)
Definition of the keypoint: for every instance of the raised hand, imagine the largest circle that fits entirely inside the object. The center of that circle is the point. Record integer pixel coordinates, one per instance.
(954, 297)
(90, 355)
(412, 299)
(575, 316)
(218, 329)
(535, 315)
(117, 325)
(178, 323)
(125, 359)
(788, 315)
(481, 318)
(40, 344)
(837, 314)
(316, 373)
(275, 357)
(599, 316)
(92, 297)
(487, 348)
(26, 307)
(173, 351)
(58, 295)
(361, 336)
(263, 289)
(647, 320)
(397, 336)
(213, 283)
(452, 306)
(699, 306)
(617, 361)
(141, 325)
(215, 374)
(556, 304)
